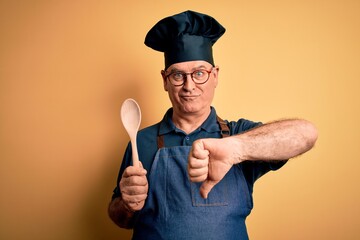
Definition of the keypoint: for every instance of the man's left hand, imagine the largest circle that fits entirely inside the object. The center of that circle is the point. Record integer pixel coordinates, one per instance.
(209, 161)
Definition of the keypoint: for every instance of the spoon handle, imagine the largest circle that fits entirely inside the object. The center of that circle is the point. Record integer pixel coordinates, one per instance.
(135, 156)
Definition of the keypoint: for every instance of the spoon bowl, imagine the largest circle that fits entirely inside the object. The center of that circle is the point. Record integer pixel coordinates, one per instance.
(130, 114)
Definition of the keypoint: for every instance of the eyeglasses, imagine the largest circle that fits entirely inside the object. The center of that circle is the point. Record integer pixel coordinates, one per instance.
(199, 76)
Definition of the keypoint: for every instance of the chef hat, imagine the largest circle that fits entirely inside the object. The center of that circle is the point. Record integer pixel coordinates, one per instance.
(187, 36)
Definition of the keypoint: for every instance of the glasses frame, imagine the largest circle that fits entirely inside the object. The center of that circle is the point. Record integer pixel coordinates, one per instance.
(185, 74)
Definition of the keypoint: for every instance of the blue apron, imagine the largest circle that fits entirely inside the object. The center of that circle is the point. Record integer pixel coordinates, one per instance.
(174, 208)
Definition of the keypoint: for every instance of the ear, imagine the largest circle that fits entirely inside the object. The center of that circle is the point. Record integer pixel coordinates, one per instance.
(164, 80)
(215, 73)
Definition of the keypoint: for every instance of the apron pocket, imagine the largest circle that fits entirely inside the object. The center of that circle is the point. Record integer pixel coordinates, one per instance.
(218, 196)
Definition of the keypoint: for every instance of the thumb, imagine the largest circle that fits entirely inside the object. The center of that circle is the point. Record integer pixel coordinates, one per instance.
(142, 168)
(206, 188)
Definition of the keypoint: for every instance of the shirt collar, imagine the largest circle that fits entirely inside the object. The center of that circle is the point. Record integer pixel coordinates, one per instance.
(209, 125)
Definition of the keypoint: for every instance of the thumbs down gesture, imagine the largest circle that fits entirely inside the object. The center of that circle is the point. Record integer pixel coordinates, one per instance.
(208, 162)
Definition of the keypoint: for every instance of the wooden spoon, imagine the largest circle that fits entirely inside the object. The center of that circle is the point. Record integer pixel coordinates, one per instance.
(131, 118)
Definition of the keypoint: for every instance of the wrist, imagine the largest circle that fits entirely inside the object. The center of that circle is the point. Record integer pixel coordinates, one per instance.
(120, 214)
(238, 149)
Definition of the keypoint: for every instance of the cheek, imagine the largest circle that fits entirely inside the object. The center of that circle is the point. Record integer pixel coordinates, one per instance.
(210, 93)
(210, 89)
(173, 94)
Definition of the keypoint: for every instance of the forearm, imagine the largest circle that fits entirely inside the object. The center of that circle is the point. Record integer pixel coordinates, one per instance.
(279, 140)
(120, 214)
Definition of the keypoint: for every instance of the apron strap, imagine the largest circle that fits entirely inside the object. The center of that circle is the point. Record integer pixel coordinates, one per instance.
(160, 141)
(224, 131)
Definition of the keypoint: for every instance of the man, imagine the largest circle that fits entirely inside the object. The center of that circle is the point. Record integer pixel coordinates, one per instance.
(197, 171)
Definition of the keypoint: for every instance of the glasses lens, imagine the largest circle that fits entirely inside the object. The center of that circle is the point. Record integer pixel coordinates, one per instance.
(177, 78)
(200, 76)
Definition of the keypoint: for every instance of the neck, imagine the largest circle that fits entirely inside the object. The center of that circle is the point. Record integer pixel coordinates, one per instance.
(190, 121)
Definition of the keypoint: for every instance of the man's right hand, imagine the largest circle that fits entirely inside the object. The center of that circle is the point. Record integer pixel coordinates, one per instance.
(134, 187)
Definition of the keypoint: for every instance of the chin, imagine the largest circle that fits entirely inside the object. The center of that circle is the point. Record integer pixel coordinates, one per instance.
(188, 109)
(192, 108)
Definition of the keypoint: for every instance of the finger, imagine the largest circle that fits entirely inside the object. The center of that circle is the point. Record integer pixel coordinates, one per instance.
(206, 188)
(136, 206)
(197, 172)
(134, 181)
(197, 163)
(134, 190)
(134, 171)
(198, 178)
(133, 198)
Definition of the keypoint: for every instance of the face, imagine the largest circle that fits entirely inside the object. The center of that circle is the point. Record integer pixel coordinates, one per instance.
(191, 98)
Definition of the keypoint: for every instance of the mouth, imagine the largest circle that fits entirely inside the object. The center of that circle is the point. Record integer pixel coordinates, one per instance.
(190, 97)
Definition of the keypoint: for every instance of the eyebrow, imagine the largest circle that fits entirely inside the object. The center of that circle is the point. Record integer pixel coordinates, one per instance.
(193, 69)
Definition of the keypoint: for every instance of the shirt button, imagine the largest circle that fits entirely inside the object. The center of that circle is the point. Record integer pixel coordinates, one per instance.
(187, 138)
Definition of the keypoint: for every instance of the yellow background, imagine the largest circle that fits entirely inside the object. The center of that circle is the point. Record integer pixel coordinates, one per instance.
(66, 67)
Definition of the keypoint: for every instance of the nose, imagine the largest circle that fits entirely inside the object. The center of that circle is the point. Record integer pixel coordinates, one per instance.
(189, 84)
